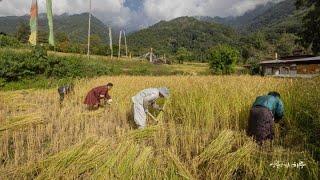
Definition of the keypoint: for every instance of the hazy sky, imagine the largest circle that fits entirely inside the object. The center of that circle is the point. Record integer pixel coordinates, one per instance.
(136, 12)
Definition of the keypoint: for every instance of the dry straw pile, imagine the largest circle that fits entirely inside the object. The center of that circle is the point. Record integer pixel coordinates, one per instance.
(201, 135)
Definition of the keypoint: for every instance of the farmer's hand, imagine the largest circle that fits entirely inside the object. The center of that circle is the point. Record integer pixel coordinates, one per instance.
(101, 103)
(109, 101)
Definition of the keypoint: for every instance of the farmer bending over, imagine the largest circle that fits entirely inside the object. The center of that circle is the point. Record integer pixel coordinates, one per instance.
(143, 100)
(65, 90)
(265, 111)
(98, 97)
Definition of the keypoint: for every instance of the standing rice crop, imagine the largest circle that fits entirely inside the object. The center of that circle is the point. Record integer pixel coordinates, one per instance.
(201, 134)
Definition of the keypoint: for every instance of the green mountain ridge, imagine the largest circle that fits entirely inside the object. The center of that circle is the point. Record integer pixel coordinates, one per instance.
(167, 36)
(74, 26)
(279, 16)
(274, 20)
(258, 32)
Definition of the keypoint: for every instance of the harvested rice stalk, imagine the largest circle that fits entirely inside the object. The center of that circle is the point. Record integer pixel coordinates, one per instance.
(142, 134)
(217, 148)
(232, 161)
(21, 122)
(111, 160)
(182, 170)
(76, 161)
(161, 114)
(141, 161)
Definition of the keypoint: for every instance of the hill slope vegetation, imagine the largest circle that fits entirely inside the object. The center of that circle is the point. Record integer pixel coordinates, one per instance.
(188, 32)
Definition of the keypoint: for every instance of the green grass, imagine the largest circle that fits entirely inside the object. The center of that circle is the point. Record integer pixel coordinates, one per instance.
(68, 67)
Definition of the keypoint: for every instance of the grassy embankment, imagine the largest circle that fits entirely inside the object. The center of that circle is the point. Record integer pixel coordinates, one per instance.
(22, 68)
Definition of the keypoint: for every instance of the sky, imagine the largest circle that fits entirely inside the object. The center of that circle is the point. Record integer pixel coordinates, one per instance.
(136, 13)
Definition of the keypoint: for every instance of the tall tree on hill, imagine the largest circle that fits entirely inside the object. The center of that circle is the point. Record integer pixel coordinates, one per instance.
(310, 35)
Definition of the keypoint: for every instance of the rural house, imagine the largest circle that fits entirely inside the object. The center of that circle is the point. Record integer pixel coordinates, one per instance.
(292, 66)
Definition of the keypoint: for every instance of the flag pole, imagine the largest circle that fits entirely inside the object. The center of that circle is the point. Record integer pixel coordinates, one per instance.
(50, 23)
(89, 30)
(110, 40)
(125, 42)
(119, 53)
(33, 38)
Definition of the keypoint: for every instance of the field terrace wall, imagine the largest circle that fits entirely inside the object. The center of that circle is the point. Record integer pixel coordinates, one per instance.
(295, 66)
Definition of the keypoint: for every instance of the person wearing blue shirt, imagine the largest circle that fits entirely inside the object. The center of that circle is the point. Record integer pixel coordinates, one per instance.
(266, 111)
(65, 90)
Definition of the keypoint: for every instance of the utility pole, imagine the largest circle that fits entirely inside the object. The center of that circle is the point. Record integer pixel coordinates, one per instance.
(119, 53)
(110, 40)
(89, 30)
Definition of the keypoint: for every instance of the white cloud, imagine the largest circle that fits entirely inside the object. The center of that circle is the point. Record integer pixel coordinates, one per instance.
(114, 11)
(243, 6)
(168, 9)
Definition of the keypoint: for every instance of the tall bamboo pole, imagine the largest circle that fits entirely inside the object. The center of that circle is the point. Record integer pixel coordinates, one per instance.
(151, 55)
(125, 42)
(89, 30)
(119, 53)
(110, 40)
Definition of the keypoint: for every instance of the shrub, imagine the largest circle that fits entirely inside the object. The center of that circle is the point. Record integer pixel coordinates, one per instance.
(254, 66)
(182, 55)
(7, 41)
(16, 66)
(223, 59)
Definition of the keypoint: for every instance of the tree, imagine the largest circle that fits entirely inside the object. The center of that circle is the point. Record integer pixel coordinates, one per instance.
(223, 59)
(43, 37)
(63, 42)
(62, 37)
(97, 46)
(96, 40)
(254, 66)
(310, 35)
(286, 44)
(182, 54)
(258, 40)
(23, 33)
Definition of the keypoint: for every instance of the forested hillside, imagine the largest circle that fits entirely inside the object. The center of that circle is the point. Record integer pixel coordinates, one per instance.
(166, 37)
(257, 34)
(282, 15)
(73, 26)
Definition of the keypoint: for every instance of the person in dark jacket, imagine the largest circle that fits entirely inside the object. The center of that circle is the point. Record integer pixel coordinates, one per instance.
(266, 110)
(98, 96)
(64, 91)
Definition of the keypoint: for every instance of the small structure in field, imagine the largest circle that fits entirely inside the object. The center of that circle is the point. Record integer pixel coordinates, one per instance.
(152, 58)
(292, 66)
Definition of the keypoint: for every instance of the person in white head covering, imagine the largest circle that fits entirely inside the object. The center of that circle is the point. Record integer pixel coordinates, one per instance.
(143, 100)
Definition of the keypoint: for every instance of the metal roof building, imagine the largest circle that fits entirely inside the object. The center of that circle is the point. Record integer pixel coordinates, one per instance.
(293, 66)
